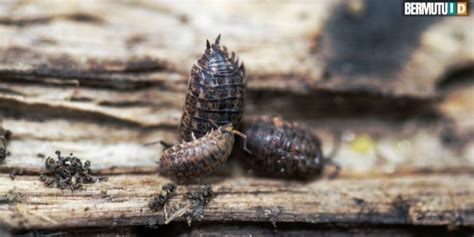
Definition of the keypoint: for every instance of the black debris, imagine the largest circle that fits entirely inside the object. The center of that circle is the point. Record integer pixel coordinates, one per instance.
(401, 208)
(159, 201)
(269, 214)
(5, 136)
(11, 197)
(359, 201)
(198, 200)
(68, 172)
(16, 172)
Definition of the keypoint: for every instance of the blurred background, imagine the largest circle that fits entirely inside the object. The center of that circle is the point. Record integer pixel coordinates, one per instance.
(101, 78)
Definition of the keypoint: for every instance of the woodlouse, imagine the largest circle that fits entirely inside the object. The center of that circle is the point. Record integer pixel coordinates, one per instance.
(215, 92)
(284, 149)
(199, 156)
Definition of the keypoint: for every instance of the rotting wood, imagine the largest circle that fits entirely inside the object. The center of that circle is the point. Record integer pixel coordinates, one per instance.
(90, 44)
(123, 200)
(101, 86)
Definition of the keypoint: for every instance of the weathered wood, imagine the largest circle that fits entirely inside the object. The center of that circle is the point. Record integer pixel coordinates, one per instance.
(328, 45)
(123, 200)
(80, 78)
(99, 84)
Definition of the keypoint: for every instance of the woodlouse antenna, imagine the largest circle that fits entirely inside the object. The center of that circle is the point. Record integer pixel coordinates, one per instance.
(329, 159)
(163, 143)
(208, 45)
(218, 39)
(244, 138)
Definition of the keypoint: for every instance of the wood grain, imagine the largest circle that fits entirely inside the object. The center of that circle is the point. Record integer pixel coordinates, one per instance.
(123, 200)
(81, 78)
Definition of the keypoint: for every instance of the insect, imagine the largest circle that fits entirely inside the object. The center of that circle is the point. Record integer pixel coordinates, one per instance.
(200, 156)
(215, 93)
(284, 149)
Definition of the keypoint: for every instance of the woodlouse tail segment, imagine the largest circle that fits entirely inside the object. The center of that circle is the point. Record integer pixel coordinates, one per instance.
(208, 45)
(242, 71)
(226, 51)
(232, 59)
(218, 39)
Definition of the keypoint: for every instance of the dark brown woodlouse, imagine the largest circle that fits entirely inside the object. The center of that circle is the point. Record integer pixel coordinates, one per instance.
(284, 149)
(215, 92)
(200, 156)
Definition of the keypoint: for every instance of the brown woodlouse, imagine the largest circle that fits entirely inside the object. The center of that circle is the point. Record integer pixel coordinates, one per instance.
(200, 156)
(215, 93)
(284, 150)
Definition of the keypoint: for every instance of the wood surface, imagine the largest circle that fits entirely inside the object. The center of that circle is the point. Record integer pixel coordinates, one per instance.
(102, 78)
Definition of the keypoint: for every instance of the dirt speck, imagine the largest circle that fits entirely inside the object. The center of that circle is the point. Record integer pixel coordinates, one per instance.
(68, 172)
(11, 197)
(198, 201)
(401, 207)
(16, 172)
(5, 136)
(269, 214)
(359, 201)
(159, 201)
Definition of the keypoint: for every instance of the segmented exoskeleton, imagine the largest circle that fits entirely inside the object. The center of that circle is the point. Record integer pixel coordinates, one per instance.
(200, 156)
(215, 92)
(283, 149)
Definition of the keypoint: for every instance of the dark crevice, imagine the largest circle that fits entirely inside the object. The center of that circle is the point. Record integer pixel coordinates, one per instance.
(323, 104)
(41, 112)
(42, 20)
(109, 81)
(264, 229)
(457, 76)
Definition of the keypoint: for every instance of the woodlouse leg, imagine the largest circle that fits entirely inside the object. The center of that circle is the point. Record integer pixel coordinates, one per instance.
(214, 124)
(163, 143)
(328, 160)
(166, 144)
(244, 137)
(336, 147)
(193, 136)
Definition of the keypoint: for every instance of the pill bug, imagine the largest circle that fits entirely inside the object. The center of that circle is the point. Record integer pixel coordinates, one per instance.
(199, 156)
(284, 149)
(215, 92)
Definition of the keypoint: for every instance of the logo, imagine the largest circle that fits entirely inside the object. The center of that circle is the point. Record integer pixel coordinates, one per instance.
(435, 8)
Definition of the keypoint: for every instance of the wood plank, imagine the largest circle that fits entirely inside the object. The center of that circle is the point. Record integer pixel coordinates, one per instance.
(90, 44)
(123, 200)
